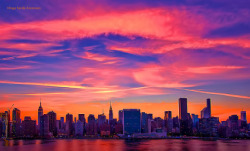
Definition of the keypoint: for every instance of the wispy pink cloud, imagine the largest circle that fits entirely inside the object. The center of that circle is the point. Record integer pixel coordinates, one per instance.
(212, 69)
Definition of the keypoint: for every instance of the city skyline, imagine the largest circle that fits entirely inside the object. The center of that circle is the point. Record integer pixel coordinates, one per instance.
(110, 112)
(79, 55)
(130, 122)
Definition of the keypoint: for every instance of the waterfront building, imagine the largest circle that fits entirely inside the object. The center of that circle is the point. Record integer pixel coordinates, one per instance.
(79, 128)
(28, 127)
(208, 127)
(110, 112)
(183, 108)
(40, 113)
(91, 128)
(131, 121)
(206, 112)
(120, 116)
(16, 122)
(168, 121)
(243, 116)
(52, 123)
(69, 124)
(44, 126)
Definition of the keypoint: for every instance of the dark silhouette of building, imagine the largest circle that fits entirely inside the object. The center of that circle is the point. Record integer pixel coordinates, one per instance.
(176, 125)
(144, 122)
(208, 127)
(81, 117)
(91, 128)
(243, 116)
(101, 121)
(206, 112)
(44, 126)
(28, 127)
(40, 113)
(195, 121)
(131, 121)
(110, 112)
(233, 124)
(168, 121)
(185, 118)
(120, 116)
(52, 123)
(16, 123)
(183, 108)
(69, 124)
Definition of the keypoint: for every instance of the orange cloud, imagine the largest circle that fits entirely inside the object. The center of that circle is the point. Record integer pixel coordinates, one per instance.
(99, 57)
(154, 76)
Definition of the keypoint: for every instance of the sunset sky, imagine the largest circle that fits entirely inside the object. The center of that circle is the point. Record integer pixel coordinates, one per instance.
(78, 55)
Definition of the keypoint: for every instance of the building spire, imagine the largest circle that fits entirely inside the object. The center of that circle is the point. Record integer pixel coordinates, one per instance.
(110, 106)
(40, 103)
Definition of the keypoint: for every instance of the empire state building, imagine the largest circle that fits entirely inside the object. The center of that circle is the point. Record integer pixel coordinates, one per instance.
(40, 113)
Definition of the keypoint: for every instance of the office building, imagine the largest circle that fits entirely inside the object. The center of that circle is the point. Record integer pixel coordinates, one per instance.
(131, 121)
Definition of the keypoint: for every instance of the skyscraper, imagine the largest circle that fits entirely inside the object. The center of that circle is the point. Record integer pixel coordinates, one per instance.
(79, 128)
(52, 123)
(144, 122)
(110, 113)
(183, 108)
(16, 122)
(69, 124)
(101, 119)
(131, 121)
(206, 112)
(44, 125)
(168, 115)
(120, 116)
(168, 121)
(81, 117)
(28, 127)
(243, 116)
(91, 126)
(40, 113)
(61, 126)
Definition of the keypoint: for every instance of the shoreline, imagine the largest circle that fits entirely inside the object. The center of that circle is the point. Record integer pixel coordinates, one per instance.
(103, 138)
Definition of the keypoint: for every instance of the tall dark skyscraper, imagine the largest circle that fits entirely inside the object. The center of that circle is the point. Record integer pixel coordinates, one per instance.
(243, 116)
(16, 122)
(168, 121)
(101, 119)
(183, 108)
(40, 113)
(91, 127)
(120, 116)
(44, 125)
(206, 112)
(52, 123)
(110, 113)
(81, 117)
(69, 124)
(209, 106)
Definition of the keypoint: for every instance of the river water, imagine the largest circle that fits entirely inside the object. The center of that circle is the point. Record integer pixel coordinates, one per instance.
(122, 145)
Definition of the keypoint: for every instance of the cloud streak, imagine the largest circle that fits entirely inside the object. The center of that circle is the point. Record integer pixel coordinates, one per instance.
(217, 93)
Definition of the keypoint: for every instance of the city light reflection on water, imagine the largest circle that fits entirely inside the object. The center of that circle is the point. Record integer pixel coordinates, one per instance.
(110, 144)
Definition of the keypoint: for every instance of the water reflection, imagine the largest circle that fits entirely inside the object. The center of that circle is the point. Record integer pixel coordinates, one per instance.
(110, 144)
